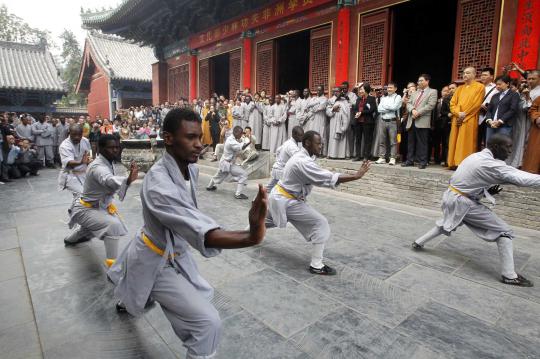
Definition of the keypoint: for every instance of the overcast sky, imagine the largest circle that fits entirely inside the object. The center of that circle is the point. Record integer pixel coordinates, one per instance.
(55, 15)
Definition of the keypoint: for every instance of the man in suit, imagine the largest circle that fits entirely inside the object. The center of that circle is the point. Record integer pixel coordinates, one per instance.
(421, 104)
(502, 108)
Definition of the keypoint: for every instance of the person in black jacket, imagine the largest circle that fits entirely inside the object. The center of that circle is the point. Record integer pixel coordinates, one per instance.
(364, 122)
(213, 117)
(502, 109)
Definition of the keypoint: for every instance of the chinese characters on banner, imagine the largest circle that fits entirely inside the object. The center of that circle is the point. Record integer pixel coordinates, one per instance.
(527, 35)
(263, 16)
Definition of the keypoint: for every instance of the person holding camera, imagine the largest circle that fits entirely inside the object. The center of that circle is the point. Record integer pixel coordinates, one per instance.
(364, 118)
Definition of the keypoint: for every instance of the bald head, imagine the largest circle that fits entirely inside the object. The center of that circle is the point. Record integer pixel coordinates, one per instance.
(297, 133)
(469, 74)
(500, 145)
(75, 133)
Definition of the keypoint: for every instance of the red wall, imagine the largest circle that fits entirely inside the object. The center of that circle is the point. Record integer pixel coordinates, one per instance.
(98, 97)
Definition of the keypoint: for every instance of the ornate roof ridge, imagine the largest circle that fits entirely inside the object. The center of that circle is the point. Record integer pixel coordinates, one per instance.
(112, 37)
(89, 16)
(39, 47)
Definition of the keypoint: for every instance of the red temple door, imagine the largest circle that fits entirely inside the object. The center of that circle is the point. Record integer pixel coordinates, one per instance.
(183, 81)
(477, 29)
(319, 57)
(374, 48)
(265, 67)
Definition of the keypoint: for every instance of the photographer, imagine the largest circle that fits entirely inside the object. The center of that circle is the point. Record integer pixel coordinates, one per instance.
(364, 119)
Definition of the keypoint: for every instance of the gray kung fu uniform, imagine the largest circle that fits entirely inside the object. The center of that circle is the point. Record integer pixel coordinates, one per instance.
(283, 154)
(473, 177)
(255, 120)
(24, 132)
(292, 110)
(72, 179)
(173, 223)
(339, 126)
(268, 112)
(301, 173)
(278, 132)
(100, 185)
(43, 137)
(228, 167)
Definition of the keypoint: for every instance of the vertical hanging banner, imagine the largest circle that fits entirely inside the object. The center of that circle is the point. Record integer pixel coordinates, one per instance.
(343, 39)
(527, 35)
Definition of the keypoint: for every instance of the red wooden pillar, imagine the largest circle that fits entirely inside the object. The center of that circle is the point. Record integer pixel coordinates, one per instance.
(343, 39)
(247, 45)
(192, 75)
(527, 35)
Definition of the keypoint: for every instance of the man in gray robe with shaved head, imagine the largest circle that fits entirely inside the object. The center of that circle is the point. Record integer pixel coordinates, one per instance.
(158, 261)
(479, 175)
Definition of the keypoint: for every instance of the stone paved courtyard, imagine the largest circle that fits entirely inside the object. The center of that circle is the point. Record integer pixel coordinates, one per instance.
(386, 302)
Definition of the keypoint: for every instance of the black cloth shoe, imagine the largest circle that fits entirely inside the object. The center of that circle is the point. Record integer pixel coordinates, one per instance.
(240, 196)
(519, 281)
(407, 164)
(422, 167)
(325, 270)
(121, 307)
(211, 188)
(417, 247)
(356, 159)
(81, 240)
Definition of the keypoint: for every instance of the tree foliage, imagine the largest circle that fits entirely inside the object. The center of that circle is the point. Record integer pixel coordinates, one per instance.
(72, 57)
(13, 28)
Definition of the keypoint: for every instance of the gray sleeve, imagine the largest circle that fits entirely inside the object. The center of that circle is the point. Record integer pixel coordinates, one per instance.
(509, 174)
(319, 176)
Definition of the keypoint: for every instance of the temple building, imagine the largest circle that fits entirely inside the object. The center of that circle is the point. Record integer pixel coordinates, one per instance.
(29, 78)
(115, 73)
(206, 46)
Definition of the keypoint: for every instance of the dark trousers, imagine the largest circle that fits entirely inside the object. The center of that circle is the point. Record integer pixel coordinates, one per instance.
(31, 168)
(417, 145)
(481, 140)
(364, 131)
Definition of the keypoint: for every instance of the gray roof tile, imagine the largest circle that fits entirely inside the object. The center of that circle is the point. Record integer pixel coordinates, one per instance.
(122, 59)
(28, 67)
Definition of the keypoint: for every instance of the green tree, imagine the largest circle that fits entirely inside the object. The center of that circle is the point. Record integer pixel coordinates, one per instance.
(72, 57)
(13, 28)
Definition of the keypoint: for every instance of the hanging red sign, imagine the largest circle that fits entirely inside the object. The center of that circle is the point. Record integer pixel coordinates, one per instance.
(527, 35)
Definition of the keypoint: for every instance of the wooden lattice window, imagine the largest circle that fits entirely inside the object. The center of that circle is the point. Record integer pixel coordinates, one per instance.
(204, 79)
(265, 67)
(319, 57)
(373, 48)
(183, 81)
(235, 64)
(476, 34)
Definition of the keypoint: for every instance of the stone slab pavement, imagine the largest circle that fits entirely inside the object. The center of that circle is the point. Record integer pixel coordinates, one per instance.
(386, 302)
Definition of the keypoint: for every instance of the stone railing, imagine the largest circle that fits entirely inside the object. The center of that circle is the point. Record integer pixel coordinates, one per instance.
(144, 152)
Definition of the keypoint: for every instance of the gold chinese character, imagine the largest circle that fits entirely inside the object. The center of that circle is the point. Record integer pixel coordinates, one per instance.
(201, 37)
(244, 23)
(234, 26)
(280, 8)
(217, 33)
(209, 36)
(307, 2)
(255, 18)
(292, 4)
(267, 13)
(225, 29)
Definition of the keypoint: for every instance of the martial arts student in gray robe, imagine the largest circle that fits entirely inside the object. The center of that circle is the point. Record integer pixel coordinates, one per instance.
(278, 132)
(284, 153)
(75, 157)
(62, 130)
(339, 112)
(158, 260)
(238, 114)
(520, 132)
(43, 137)
(227, 166)
(24, 129)
(287, 201)
(316, 119)
(292, 108)
(477, 176)
(95, 212)
(254, 115)
(302, 109)
(268, 113)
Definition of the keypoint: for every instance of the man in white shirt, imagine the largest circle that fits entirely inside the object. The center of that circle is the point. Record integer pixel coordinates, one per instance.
(486, 77)
(388, 108)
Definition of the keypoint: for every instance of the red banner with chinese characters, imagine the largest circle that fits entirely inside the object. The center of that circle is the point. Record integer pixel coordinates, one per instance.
(527, 35)
(266, 15)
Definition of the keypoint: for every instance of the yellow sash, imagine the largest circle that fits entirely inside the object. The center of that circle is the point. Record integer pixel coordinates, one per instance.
(455, 190)
(153, 247)
(111, 208)
(284, 193)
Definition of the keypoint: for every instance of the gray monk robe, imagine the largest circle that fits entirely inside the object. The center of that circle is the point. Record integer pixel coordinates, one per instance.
(292, 110)
(268, 112)
(339, 125)
(95, 211)
(278, 132)
(238, 116)
(287, 201)
(255, 120)
(172, 224)
(283, 154)
(69, 178)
